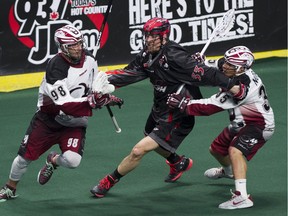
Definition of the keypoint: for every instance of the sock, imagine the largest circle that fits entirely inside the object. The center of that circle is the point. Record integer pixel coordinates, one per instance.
(240, 185)
(173, 158)
(227, 170)
(116, 175)
(10, 187)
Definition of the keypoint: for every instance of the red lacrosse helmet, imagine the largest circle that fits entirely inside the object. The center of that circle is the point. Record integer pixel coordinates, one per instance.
(157, 26)
(66, 36)
(239, 56)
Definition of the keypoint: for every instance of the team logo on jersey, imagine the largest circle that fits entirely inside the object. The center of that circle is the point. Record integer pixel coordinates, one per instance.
(197, 73)
(160, 86)
(83, 88)
(163, 62)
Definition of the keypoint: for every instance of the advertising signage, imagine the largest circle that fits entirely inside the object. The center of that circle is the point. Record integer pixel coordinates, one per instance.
(28, 26)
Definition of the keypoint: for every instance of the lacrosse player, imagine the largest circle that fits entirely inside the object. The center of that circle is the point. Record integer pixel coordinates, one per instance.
(167, 65)
(251, 122)
(70, 90)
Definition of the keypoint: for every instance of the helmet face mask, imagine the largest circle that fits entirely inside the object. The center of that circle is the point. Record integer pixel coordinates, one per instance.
(71, 42)
(239, 56)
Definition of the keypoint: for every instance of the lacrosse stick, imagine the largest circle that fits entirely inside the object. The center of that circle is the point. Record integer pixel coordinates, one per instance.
(222, 28)
(102, 28)
(117, 128)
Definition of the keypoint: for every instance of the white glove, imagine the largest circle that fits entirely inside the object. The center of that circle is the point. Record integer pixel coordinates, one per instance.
(101, 83)
(108, 89)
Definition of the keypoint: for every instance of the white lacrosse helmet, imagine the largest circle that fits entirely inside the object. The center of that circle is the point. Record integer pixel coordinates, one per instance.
(239, 56)
(67, 35)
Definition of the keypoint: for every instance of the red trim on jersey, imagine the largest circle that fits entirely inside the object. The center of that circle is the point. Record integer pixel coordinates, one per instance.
(119, 71)
(77, 109)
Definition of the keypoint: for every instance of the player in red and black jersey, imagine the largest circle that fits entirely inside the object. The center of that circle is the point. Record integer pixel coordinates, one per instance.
(167, 65)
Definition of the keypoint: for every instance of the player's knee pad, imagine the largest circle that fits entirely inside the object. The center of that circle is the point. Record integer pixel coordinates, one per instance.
(18, 168)
(69, 159)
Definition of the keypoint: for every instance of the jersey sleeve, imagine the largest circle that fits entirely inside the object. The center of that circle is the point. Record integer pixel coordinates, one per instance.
(132, 73)
(61, 97)
(190, 72)
(208, 106)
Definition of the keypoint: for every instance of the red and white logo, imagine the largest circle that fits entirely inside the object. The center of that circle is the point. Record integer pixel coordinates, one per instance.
(33, 22)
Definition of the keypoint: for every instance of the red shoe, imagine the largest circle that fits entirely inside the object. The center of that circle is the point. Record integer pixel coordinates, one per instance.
(104, 186)
(177, 169)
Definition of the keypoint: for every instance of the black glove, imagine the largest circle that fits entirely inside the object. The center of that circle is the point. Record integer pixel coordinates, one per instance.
(198, 57)
(177, 101)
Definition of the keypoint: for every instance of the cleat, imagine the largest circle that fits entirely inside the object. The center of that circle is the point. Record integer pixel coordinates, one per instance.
(217, 173)
(177, 169)
(237, 202)
(46, 172)
(104, 186)
(7, 193)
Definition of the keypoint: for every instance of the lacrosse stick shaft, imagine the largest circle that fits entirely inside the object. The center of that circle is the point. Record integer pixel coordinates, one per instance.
(117, 128)
(102, 28)
(207, 44)
(180, 89)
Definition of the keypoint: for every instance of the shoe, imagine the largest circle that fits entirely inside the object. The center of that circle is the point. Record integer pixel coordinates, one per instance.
(46, 172)
(104, 186)
(216, 173)
(7, 193)
(177, 169)
(237, 202)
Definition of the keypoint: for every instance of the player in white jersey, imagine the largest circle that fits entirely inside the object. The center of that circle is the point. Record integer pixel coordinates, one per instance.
(70, 90)
(251, 122)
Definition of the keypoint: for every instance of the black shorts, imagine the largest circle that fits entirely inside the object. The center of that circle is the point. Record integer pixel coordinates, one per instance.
(169, 133)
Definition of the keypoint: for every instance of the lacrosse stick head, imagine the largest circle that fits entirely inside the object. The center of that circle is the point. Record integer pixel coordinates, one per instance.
(225, 24)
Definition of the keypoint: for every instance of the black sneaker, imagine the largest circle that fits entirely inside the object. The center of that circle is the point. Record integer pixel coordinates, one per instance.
(46, 172)
(7, 193)
(177, 169)
(103, 187)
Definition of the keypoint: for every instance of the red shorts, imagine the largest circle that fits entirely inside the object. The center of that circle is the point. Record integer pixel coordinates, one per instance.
(248, 140)
(44, 132)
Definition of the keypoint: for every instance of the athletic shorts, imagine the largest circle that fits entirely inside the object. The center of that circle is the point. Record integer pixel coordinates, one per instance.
(169, 133)
(44, 132)
(248, 140)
